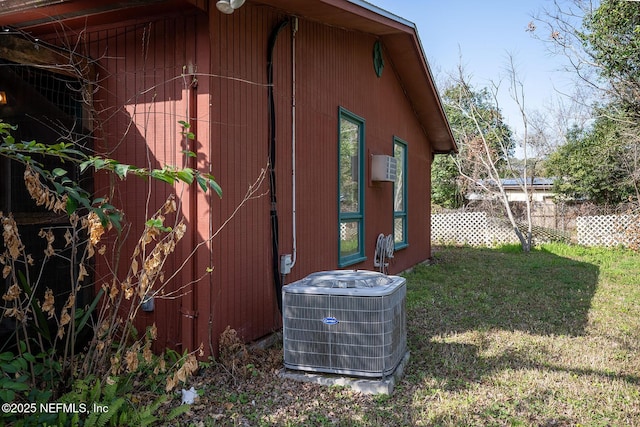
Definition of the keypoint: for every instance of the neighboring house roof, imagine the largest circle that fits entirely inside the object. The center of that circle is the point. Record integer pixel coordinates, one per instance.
(516, 183)
(402, 46)
(539, 188)
(537, 184)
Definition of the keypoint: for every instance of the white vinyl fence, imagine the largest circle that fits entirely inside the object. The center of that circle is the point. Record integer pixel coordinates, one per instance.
(478, 229)
(470, 228)
(606, 230)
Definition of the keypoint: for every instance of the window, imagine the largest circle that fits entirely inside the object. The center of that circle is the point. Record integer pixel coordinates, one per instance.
(47, 107)
(400, 195)
(350, 188)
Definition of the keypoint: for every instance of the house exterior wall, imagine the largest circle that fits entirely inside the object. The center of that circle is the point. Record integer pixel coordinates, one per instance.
(142, 96)
(334, 68)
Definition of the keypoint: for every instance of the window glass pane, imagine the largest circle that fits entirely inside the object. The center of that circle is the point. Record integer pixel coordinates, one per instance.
(398, 230)
(398, 202)
(400, 195)
(349, 166)
(349, 238)
(350, 188)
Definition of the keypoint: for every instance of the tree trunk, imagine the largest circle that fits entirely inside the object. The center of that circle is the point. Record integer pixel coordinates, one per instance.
(525, 241)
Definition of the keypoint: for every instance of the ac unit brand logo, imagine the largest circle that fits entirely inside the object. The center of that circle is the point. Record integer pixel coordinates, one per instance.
(330, 321)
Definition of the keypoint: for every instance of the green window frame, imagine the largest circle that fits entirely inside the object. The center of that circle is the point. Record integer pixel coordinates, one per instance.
(351, 166)
(400, 217)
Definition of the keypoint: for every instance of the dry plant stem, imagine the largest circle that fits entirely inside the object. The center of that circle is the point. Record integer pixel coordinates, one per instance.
(119, 324)
(116, 313)
(31, 368)
(18, 303)
(34, 286)
(251, 194)
(517, 94)
(70, 338)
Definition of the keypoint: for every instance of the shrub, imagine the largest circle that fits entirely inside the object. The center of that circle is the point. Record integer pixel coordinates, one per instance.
(61, 350)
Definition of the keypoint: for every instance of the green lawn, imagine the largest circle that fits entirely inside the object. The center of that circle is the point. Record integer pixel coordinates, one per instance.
(504, 338)
(497, 337)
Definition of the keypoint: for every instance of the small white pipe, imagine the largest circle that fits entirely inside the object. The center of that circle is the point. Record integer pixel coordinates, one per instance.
(294, 30)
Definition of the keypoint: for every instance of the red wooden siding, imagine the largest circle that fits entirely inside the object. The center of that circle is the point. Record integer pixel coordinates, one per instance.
(243, 292)
(334, 68)
(141, 99)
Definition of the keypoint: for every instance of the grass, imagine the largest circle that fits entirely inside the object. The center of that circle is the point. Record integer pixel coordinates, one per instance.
(546, 338)
(497, 337)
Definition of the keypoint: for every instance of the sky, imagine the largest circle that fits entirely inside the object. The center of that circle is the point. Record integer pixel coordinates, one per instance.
(481, 35)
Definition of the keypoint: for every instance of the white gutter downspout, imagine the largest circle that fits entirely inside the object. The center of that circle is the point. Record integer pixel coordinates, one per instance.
(294, 30)
(287, 261)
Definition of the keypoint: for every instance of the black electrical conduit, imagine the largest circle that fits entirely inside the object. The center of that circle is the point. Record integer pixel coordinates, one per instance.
(277, 280)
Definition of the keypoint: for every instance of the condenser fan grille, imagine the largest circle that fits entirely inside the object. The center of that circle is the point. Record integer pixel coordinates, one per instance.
(362, 335)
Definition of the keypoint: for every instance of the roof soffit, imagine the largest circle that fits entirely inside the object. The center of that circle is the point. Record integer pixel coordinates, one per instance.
(36, 16)
(399, 37)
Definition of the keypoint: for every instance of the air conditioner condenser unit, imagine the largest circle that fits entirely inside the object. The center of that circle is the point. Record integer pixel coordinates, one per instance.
(345, 322)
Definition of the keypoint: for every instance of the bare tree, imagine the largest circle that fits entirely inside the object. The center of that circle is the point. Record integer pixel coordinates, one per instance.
(487, 144)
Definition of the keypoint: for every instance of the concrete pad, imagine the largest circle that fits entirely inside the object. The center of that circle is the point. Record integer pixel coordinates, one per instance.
(363, 385)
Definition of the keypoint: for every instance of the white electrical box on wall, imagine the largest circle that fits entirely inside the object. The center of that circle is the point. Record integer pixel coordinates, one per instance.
(383, 168)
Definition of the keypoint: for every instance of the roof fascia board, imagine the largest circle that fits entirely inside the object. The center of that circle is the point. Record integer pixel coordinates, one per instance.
(382, 12)
(425, 64)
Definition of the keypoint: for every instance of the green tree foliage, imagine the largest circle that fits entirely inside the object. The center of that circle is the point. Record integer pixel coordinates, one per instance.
(474, 119)
(446, 189)
(473, 113)
(602, 42)
(593, 164)
(611, 38)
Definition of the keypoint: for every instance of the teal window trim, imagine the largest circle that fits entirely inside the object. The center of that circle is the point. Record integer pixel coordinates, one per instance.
(402, 214)
(357, 216)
